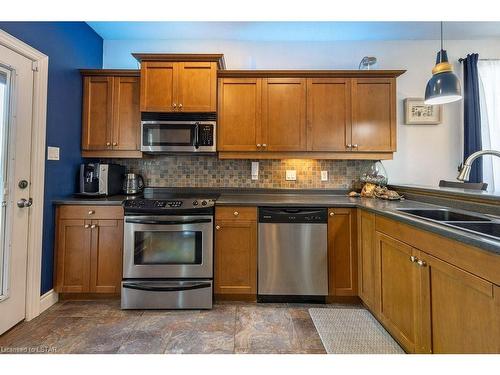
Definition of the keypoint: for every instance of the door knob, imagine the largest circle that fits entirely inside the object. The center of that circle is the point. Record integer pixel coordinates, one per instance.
(355, 146)
(217, 227)
(174, 105)
(264, 145)
(108, 143)
(180, 105)
(421, 263)
(86, 226)
(91, 212)
(332, 213)
(115, 143)
(349, 146)
(413, 259)
(236, 213)
(258, 145)
(92, 226)
(23, 203)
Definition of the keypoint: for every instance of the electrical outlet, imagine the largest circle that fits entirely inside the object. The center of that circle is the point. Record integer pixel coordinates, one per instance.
(255, 170)
(52, 153)
(324, 175)
(291, 175)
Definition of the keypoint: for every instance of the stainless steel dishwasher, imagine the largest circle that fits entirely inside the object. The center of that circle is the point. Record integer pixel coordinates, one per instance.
(292, 254)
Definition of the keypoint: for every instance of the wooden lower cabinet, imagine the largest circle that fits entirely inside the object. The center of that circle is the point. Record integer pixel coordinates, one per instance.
(342, 252)
(88, 251)
(367, 260)
(463, 309)
(235, 255)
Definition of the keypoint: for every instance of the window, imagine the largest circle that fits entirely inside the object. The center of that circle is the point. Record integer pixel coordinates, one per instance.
(489, 96)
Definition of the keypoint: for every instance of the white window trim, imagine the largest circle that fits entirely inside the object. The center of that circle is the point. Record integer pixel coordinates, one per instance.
(35, 232)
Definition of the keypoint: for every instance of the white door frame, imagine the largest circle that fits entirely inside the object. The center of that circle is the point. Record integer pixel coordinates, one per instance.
(38, 124)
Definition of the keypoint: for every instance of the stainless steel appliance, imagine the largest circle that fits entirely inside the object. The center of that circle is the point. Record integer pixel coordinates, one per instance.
(292, 254)
(133, 184)
(168, 251)
(178, 132)
(98, 179)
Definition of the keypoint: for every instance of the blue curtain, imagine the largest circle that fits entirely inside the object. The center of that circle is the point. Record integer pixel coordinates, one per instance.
(472, 115)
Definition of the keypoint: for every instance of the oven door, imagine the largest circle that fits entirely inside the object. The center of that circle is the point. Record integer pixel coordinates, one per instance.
(168, 247)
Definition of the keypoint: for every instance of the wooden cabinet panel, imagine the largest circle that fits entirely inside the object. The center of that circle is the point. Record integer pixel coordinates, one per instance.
(197, 86)
(464, 310)
(368, 288)
(126, 114)
(399, 285)
(90, 212)
(342, 252)
(106, 256)
(328, 114)
(97, 113)
(73, 256)
(159, 86)
(284, 114)
(374, 114)
(235, 255)
(239, 127)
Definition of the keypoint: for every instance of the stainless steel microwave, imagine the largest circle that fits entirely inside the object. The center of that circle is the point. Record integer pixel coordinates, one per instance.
(178, 133)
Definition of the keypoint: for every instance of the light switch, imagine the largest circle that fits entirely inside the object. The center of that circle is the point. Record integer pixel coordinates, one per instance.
(255, 170)
(324, 175)
(291, 175)
(52, 153)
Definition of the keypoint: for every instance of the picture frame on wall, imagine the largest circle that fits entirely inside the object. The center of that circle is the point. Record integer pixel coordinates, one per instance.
(418, 113)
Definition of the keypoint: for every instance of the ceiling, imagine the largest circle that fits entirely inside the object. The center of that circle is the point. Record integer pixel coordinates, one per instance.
(295, 31)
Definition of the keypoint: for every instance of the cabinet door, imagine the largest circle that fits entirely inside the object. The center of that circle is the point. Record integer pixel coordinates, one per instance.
(236, 257)
(197, 86)
(328, 114)
(374, 114)
(284, 114)
(159, 86)
(106, 256)
(239, 125)
(97, 113)
(126, 114)
(73, 256)
(369, 289)
(399, 283)
(464, 309)
(342, 252)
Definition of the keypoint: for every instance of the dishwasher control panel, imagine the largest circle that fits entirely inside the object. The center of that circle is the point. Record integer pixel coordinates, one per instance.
(293, 215)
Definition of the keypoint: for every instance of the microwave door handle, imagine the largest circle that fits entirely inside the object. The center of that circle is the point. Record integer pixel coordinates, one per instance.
(162, 222)
(196, 135)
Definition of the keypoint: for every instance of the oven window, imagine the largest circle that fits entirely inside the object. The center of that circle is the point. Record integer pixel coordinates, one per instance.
(165, 247)
(167, 135)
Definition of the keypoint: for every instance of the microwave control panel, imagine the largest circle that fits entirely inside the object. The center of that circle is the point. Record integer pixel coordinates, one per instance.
(206, 135)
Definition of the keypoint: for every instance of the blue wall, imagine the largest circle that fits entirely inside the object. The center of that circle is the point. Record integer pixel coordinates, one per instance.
(70, 46)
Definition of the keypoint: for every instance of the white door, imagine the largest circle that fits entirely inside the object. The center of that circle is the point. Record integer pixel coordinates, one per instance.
(16, 96)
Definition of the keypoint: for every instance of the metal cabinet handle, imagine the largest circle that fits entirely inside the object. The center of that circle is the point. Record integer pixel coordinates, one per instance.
(91, 212)
(86, 226)
(332, 213)
(24, 203)
(217, 227)
(421, 263)
(413, 259)
(236, 213)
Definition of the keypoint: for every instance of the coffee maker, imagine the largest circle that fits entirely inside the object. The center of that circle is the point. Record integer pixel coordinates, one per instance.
(97, 179)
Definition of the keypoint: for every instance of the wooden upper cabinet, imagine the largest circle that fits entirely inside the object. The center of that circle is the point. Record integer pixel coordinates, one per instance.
(97, 113)
(197, 87)
(239, 114)
(111, 117)
(342, 252)
(159, 86)
(126, 116)
(374, 114)
(462, 310)
(284, 114)
(328, 114)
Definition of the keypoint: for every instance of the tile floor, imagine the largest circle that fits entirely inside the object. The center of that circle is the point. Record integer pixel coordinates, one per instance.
(101, 327)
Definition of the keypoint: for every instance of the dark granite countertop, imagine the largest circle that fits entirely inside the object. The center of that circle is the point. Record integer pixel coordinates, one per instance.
(261, 197)
(487, 195)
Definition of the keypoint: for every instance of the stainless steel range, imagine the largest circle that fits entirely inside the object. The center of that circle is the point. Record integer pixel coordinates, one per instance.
(168, 251)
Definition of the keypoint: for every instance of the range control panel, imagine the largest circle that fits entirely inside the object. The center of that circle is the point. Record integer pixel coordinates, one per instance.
(166, 204)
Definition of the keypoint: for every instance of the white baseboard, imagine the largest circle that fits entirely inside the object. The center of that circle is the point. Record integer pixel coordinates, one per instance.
(48, 299)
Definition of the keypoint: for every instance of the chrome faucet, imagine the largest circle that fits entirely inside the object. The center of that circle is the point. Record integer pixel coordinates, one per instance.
(466, 168)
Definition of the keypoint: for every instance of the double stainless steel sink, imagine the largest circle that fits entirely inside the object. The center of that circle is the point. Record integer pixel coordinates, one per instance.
(477, 224)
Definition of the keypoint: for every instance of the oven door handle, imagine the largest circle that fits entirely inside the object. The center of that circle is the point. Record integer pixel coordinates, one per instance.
(166, 288)
(161, 222)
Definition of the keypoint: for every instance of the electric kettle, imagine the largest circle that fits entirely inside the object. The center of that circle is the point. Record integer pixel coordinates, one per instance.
(133, 184)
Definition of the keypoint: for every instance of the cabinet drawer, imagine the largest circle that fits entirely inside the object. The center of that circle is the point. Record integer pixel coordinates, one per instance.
(90, 212)
(236, 213)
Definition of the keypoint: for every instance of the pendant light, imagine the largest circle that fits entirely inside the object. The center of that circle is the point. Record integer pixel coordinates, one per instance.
(444, 86)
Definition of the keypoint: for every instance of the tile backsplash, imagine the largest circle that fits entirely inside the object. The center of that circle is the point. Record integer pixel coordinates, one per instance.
(209, 171)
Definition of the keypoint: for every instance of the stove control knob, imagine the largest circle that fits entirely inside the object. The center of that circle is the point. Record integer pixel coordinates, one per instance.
(203, 203)
(195, 203)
